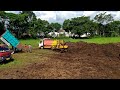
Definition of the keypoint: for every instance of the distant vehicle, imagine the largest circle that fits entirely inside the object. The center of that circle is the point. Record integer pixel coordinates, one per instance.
(48, 43)
(5, 53)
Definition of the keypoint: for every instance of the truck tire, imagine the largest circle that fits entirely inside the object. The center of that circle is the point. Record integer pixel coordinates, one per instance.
(11, 58)
(3, 59)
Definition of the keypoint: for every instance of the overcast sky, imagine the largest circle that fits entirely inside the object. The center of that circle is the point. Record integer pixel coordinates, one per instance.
(60, 16)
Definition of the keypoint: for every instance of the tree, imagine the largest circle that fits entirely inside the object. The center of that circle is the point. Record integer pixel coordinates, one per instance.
(80, 25)
(103, 19)
(39, 26)
(2, 14)
(3, 20)
(55, 26)
(31, 15)
(113, 28)
(1, 26)
(66, 25)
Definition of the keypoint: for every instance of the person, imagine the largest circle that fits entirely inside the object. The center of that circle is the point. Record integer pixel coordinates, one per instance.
(25, 47)
(29, 48)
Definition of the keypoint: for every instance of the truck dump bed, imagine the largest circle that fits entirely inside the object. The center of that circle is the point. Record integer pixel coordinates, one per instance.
(9, 39)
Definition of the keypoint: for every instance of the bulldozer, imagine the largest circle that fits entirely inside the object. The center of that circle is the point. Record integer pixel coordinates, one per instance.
(58, 45)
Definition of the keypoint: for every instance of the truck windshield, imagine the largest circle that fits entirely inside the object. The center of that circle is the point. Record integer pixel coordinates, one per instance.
(3, 48)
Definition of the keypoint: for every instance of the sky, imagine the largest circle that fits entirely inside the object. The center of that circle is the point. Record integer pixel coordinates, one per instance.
(60, 16)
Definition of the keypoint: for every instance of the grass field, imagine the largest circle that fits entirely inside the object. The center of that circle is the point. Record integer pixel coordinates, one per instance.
(19, 59)
(103, 40)
(33, 42)
(99, 40)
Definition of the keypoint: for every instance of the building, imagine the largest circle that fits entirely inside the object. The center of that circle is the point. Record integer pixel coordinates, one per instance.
(59, 33)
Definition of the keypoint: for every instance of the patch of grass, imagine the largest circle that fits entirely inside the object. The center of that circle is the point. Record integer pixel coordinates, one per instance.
(33, 42)
(98, 40)
(13, 64)
(66, 39)
(102, 40)
(21, 60)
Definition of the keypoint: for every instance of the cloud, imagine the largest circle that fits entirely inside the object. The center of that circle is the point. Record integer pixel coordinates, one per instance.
(90, 13)
(57, 16)
(16, 12)
(45, 15)
(117, 15)
(60, 16)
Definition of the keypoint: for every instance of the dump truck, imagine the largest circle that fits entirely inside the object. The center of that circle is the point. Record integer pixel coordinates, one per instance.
(48, 43)
(10, 39)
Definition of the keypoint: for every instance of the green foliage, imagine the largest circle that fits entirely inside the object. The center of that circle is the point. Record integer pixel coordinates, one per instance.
(1, 26)
(102, 25)
(55, 26)
(103, 19)
(62, 35)
(3, 14)
(66, 25)
(80, 25)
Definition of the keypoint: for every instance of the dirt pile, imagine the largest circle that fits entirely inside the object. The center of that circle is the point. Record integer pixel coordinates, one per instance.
(96, 50)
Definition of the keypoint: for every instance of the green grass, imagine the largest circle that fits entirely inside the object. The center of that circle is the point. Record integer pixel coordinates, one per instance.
(69, 39)
(12, 64)
(97, 40)
(33, 42)
(22, 60)
(102, 40)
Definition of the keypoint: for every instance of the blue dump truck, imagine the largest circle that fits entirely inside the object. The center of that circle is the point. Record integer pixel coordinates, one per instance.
(9, 39)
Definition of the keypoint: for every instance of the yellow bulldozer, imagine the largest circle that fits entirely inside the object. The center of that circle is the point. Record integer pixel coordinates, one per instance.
(48, 43)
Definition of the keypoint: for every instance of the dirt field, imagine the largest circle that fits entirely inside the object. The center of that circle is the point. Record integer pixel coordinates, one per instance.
(81, 61)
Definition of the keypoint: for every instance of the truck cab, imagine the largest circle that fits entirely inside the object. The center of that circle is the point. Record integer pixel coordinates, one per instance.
(5, 53)
(42, 43)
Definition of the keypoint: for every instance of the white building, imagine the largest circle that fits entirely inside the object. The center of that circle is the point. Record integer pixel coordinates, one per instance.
(85, 35)
(60, 32)
(53, 34)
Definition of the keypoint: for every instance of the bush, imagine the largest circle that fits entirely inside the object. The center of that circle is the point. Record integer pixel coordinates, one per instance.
(114, 34)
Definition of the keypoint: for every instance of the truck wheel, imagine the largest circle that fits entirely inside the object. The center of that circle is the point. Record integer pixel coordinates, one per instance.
(40, 47)
(3, 59)
(11, 58)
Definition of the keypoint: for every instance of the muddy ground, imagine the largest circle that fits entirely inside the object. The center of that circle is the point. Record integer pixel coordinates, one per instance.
(81, 61)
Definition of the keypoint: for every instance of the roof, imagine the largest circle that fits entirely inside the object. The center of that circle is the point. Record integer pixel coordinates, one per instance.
(61, 30)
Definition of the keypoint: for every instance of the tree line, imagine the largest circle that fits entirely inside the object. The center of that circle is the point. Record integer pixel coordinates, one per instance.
(102, 25)
(26, 24)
